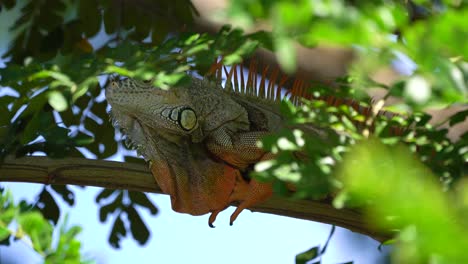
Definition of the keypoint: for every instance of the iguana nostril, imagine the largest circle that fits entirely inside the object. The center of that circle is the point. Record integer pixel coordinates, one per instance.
(175, 114)
(166, 112)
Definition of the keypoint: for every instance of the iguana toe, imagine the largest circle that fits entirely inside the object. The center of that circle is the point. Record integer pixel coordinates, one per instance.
(212, 218)
(257, 192)
(235, 215)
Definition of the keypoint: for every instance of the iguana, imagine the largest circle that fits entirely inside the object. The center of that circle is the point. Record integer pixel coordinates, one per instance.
(201, 139)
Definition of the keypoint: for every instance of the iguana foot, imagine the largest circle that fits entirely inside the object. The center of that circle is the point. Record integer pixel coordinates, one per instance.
(212, 218)
(256, 193)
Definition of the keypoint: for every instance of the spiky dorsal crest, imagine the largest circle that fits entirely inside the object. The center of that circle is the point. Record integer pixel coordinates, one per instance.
(268, 84)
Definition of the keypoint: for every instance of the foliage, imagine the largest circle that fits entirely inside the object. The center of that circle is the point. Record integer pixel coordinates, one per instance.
(55, 105)
(23, 222)
(404, 196)
(380, 30)
(389, 184)
(137, 227)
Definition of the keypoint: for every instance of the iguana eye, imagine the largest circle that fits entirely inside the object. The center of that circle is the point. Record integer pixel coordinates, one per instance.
(187, 119)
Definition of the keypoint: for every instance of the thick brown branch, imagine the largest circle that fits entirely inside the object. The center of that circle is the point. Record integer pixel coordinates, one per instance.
(117, 175)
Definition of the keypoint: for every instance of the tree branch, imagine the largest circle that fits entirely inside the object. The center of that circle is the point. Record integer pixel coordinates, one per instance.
(118, 175)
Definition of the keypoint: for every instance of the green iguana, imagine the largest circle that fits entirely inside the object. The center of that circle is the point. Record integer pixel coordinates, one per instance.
(201, 139)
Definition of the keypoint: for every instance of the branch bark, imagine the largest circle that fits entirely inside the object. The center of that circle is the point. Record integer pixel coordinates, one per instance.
(118, 175)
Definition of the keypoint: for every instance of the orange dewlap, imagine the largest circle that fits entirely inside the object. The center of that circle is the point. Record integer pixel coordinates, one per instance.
(207, 195)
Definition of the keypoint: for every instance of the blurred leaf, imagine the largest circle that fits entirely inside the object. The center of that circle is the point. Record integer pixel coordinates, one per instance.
(286, 54)
(458, 117)
(35, 230)
(139, 230)
(308, 255)
(67, 195)
(4, 233)
(324, 248)
(31, 129)
(104, 194)
(118, 231)
(111, 207)
(58, 101)
(82, 139)
(396, 188)
(38, 229)
(47, 205)
(142, 199)
(8, 3)
(90, 17)
(57, 135)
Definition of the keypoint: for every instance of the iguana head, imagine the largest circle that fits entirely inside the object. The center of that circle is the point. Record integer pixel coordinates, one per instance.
(139, 103)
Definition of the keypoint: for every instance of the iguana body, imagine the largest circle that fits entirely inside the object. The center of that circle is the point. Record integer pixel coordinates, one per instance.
(201, 139)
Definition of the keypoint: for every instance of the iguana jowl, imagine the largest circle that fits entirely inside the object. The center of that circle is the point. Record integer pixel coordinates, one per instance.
(200, 139)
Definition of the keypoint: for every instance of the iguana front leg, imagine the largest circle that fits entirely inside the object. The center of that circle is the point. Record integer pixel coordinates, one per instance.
(250, 194)
(241, 150)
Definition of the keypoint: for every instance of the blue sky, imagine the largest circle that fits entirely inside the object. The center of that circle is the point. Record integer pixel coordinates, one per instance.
(179, 238)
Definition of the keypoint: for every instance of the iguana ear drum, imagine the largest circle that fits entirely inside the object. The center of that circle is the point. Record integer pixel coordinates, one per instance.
(187, 119)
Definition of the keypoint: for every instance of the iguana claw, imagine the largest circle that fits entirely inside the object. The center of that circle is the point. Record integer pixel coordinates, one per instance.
(212, 218)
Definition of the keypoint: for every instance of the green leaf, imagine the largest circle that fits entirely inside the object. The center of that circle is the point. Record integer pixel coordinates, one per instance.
(118, 231)
(104, 211)
(142, 199)
(458, 117)
(286, 54)
(82, 139)
(9, 3)
(35, 104)
(90, 17)
(399, 187)
(138, 228)
(308, 255)
(38, 229)
(48, 206)
(104, 194)
(8, 215)
(4, 233)
(57, 101)
(119, 70)
(56, 135)
(31, 131)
